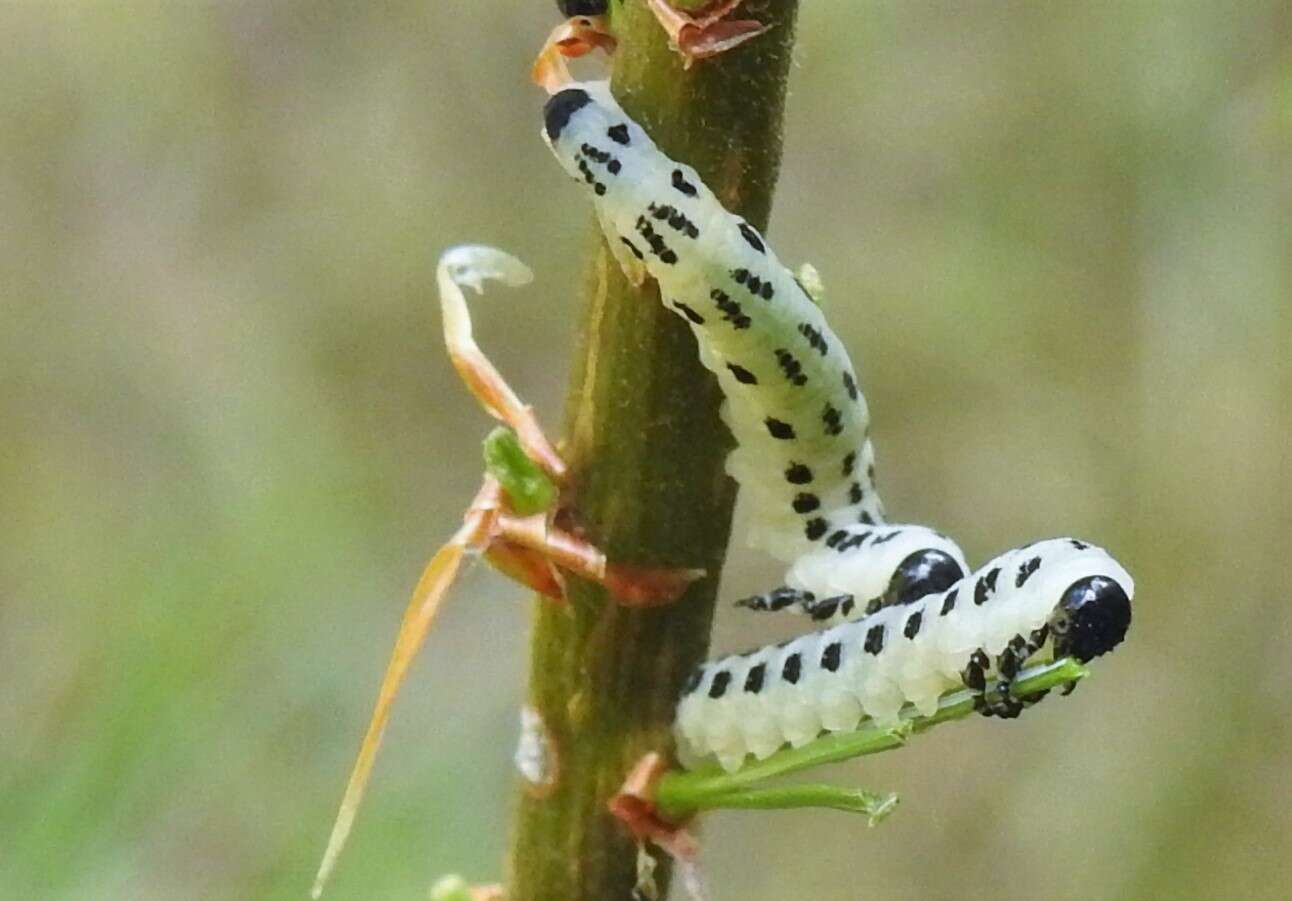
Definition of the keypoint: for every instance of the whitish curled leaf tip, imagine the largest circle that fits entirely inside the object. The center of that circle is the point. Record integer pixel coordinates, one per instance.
(473, 264)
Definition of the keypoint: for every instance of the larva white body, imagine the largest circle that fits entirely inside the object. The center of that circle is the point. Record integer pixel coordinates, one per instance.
(907, 654)
(804, 459)
(806, 462)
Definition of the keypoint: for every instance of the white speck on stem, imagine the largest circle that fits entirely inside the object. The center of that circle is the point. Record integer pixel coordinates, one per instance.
(535, 753)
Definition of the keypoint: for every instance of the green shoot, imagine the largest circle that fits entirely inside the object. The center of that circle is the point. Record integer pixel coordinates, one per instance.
(529, 490)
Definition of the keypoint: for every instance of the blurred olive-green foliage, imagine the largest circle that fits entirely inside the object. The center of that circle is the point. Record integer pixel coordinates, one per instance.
(1056, 237)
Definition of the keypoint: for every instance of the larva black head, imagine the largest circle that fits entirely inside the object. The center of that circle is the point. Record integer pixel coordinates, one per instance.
(1091, 618)
(560, 107)
(921, 573)
(570, 8)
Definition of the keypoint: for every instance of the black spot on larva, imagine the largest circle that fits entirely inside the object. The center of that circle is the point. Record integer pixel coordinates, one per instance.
(830, 657)
(870, 472)
(560, 107)
(949, 602)
(792, 368)
(798, 474)
(1026, 569)
(815, 528)
(767, 291)
(814, 337)
(633, 247)
(754, 284)
(884, 539)
(613, 167)
(790, 671)
(852, 541)
(855, 494)
(806, 502)
(912, 627)
(599, 189)
(718, 687)
(875, 605)
(688, 312)
(836, 536)
(754, 681)
(849, 463)
(731, 311)
(1079, 545)
(681, 184)
(986, 585)
(866, 519)
(831, 419)
(850, 385)
(846, 607)
(776, 599)
(618, 133)
(740, 276)
(743, 375)
(693, 682)
(676, 220)
(779, 430)
(655, 240)
(874, 639)
(599, 156)
(751, 237)
(826, 608)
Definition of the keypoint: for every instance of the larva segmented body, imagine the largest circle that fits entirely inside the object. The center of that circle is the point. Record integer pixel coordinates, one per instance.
(1054, 598)
(804, 458)
(910, 623)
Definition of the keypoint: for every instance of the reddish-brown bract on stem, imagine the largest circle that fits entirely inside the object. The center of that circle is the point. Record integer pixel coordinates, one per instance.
(531, 549)
(695, 34)
(631, 586)
(634, 806)
(704, 32)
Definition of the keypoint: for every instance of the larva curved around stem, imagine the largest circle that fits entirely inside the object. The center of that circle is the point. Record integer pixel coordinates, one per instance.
(803, 457)
(1055, 598)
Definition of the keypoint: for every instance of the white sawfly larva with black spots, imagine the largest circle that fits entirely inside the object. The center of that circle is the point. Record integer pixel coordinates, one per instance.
(909, 623)
(1055, 598)
(804, 459)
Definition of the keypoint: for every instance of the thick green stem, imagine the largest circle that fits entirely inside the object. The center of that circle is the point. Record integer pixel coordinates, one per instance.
(646, 450)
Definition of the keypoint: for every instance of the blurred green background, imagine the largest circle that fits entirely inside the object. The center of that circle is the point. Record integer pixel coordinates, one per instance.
(1056, 237)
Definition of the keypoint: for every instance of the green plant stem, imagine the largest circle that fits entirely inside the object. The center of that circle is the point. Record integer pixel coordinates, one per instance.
(680, 794)
(646, 452)
(809, 794)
